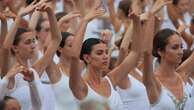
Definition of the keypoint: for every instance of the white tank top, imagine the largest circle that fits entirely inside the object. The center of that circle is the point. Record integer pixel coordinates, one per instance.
(135, 95)
(63, 94)
(167, 101)
(114, 100)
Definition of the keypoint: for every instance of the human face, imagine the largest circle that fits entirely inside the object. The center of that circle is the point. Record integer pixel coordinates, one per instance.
(183, 5)
(173, 52)
(26, 46)
(98, 57)
(12, 105)
(44, 32)
(66, 51)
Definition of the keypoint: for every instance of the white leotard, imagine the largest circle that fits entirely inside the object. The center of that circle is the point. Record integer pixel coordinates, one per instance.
(114, 100)
(135, 95)
(63, 94)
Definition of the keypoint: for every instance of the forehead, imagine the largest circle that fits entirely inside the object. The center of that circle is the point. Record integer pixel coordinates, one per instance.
(45, 23)
(28, 35)
(100, 46)
(70, 38)
(175, 39)
(183, 1)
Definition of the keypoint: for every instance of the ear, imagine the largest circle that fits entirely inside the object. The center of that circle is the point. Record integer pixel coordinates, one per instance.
(14, 48)
(60, 49)
(161, 53)
(86, 58)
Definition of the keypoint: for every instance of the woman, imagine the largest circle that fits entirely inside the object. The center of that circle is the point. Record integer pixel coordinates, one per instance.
(95, 55)
(22, 43)
(166, 88)
(59, 75)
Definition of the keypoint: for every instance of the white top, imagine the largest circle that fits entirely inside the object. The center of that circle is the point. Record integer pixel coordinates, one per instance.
(190, 103)
(114, 100)
(167, 101)
(135, 95)
(63, 94)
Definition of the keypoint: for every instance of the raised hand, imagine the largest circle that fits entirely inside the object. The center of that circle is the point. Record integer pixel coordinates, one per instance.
(181, 27)
(137, 33)
(9, 14)
(96, 11)
(13, 71)
(30, 8)
(28, 75)
(70, 16)
(106, 35)
(158, 5)
(2, 16)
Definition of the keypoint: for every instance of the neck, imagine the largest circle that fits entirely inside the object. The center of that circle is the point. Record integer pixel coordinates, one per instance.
(94, 75)
(65, 64)
(166, 69)
(22, 61)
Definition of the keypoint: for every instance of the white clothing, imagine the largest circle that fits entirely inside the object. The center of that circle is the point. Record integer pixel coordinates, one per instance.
(167, 101)
(114, 100)
(134, 95)
(63, 94)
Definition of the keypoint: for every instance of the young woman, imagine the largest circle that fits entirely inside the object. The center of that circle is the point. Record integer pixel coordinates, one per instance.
(22, 43)
(166, 88)
(59, 75)
(95, 54)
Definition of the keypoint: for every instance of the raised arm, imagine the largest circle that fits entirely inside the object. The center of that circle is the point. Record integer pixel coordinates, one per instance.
(41, 64)
(11, 34)
(131, 60)
(35, 86)
(113, 17)
(34, 20)
(151, 84)
(3, 52)
(77, 84)
(124, 48)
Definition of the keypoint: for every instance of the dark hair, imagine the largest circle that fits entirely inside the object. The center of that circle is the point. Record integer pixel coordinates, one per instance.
(4, 101)
(87, 47)
(175, 2)
(192, 20)
(59, 15)
(17, 37)
(65, 35)
(125, 5)
(161, 40)
(40, 21)
(28, 2)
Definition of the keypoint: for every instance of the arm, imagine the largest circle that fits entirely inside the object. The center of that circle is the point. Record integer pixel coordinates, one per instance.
(41, 64)
(3, 87)
(113, 17)
(36, 93)
(151, 84)
(131, 60)
(4, 57)
(11, 34)
(77, 84)
(124, 48)
(53, 72)
(34, 19)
